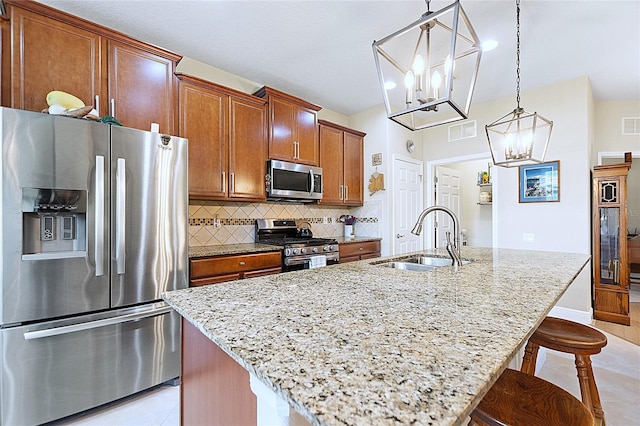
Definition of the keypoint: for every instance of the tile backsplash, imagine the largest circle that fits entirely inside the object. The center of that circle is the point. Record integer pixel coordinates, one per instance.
(216, 223)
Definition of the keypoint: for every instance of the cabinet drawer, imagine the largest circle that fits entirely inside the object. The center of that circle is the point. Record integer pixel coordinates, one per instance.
(197, 282)
(357, 249)
(220, 265)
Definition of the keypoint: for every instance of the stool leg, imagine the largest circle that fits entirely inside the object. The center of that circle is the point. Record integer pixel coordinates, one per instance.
(598, 412)
(529, 359)
(583, 379)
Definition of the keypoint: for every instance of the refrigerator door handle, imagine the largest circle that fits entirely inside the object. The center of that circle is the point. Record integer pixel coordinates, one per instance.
(56, 331)
(121, 196)
(99, 212)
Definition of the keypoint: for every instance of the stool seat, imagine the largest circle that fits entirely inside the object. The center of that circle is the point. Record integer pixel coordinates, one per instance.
(569, 337)
(521, 399)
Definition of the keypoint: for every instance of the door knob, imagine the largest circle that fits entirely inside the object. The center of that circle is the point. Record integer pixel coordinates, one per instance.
(399, 236)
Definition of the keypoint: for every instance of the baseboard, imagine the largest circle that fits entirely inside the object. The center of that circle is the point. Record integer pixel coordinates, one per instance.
(582, 317)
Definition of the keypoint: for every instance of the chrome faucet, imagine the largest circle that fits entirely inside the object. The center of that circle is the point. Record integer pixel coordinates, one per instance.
(453, 250)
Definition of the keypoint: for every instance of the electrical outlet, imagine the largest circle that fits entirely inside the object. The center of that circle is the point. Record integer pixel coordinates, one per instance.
(528, 238)
(216, 222)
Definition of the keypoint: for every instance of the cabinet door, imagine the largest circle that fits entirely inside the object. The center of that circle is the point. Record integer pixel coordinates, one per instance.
(611, 269)
(331, 161)
(50, 55)
(281, 129)
(141, 85)
(203, 116)
(306, 136)
(353, 169)
(247, 150)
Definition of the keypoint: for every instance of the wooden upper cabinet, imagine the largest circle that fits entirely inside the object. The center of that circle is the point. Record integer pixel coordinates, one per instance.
(141, 88)
(203, 120)
(342, 162)
(52, 50)
(293, 127)
(247, 148)
(51, 55)
(331, 161)
(227, 141)
(354, 168)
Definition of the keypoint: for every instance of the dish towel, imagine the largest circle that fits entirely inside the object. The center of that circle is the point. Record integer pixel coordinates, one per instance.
(317, 261)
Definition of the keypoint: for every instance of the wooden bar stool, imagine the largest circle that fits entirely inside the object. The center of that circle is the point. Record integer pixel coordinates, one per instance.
(522, 399)
(573, 338)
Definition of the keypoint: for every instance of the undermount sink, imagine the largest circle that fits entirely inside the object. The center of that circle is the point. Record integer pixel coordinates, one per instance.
(419, 263)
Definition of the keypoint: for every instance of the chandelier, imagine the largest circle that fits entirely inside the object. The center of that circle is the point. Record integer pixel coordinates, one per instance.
(519, 137)
(428, 69)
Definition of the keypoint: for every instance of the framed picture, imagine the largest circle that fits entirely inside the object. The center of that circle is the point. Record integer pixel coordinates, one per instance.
(539, 182)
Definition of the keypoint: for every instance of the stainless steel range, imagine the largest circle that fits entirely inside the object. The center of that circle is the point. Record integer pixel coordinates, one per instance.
(300, 248)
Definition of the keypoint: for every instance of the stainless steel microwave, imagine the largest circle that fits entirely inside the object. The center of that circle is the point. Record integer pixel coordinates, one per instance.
(292, 181)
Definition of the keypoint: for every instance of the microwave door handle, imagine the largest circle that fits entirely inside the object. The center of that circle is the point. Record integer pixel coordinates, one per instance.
(310, 182)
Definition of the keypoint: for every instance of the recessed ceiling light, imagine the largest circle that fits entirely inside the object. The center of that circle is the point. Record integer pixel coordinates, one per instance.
(390, 85)
(489, 45)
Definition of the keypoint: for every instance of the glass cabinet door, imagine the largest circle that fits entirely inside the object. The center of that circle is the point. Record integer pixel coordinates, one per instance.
(610, 245)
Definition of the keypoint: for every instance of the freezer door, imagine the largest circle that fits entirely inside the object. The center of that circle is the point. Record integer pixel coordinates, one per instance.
(149, 215)
(56, 369)
(54, 253)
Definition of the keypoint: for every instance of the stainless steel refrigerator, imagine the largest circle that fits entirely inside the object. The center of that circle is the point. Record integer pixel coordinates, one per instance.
(94, 229)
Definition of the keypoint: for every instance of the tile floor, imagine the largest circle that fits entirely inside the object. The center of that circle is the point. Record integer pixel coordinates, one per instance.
(616, 371)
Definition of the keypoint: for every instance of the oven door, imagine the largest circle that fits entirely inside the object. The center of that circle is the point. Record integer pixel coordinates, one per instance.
(309, 262)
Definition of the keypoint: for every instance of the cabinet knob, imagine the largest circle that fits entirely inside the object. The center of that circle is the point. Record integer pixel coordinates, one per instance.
(242, 263)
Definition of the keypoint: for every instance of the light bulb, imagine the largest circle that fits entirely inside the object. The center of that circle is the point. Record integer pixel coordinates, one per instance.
(418, 70)
(448, 65)
(436, 82)
(409, 79)
(418, 65)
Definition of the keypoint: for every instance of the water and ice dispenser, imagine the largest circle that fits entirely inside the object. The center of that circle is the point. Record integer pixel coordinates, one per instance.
(54, 223)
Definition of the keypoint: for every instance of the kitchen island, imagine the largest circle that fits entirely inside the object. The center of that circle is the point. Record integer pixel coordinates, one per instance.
(362, 343)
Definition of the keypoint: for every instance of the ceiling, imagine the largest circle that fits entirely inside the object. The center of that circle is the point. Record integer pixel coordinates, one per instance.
(321, 50)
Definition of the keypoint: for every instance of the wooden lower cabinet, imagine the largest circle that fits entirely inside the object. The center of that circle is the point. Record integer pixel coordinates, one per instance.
(218, 269)
(351, 252)
(215, 388)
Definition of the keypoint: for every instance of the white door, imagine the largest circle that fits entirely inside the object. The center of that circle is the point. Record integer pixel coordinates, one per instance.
(407, 204)
(448, 195)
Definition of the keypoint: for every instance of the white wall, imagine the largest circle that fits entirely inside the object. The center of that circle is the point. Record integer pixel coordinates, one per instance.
(561, 226)
(386, 137)
(475, 218)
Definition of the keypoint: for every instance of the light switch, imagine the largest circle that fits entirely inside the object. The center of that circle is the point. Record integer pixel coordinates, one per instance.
(528, 238)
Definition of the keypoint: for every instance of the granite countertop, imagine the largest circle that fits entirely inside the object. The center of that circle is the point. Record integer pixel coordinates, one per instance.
(357, 239)
(359, 343)
(219, 250)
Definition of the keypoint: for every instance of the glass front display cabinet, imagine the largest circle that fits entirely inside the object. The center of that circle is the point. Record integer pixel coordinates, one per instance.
(610, 263)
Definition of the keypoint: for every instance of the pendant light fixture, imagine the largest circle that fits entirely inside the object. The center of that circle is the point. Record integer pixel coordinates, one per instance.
(428, 69)
(520, 137)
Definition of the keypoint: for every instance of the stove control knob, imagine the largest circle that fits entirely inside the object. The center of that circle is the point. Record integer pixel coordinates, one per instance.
(325, 248)
(303, 250)
(295, 251)
(287, 252)
(330, 248)
(315, 249)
